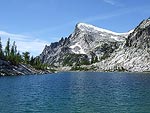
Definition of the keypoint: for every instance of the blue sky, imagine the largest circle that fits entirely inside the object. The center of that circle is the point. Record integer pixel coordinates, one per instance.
(34, 23)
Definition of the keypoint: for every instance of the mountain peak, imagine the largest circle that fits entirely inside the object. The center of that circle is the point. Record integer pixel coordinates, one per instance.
(91, 28)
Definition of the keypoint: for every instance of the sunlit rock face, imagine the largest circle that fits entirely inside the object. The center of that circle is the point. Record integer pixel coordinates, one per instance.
(135, 54)
(86, 40)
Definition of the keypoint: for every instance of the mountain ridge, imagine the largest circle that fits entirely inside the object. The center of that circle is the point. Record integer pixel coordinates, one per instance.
(89, 46)
(84, 40)
(90, 26)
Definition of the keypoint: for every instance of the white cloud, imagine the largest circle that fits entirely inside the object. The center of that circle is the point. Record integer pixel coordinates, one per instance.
(24, 43)
(112, 2)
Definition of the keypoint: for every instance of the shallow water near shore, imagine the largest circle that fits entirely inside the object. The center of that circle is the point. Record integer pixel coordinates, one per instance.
(76, 92)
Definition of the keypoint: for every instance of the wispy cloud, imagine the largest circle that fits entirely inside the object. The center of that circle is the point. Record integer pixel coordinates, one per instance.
(112, 2)
(24, 43)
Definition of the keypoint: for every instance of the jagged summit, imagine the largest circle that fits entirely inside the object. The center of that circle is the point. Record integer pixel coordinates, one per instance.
(92, 28)
(86, 41)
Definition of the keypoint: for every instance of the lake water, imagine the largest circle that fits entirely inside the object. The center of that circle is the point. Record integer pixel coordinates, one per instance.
(76, 92)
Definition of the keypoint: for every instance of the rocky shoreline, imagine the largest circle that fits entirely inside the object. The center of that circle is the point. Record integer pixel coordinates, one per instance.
(7, 69)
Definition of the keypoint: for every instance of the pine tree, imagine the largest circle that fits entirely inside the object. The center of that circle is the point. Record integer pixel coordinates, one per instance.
(92, 60)
(12, 51)
(18, 58)
(32, 61)
(7, 49)
(38, 64)
(96, 59)
(1, 50)
(26, 57)
(13, 54)
(15, 48)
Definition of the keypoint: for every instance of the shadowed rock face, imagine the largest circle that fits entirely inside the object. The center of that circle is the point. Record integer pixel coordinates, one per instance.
(86, 40)
(140, 38)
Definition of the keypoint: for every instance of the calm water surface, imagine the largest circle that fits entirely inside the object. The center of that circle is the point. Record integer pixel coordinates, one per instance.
(81, 92)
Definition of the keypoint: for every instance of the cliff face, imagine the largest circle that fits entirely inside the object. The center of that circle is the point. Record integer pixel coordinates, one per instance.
(53, 54)
(134, 55)
(140, 38)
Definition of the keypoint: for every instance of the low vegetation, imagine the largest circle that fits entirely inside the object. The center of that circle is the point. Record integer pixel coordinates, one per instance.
(79, 68)
(75, 59)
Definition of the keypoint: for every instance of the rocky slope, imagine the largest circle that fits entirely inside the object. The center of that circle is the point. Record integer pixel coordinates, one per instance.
(6, 68)
(113, 51)
(134, 55)
(84, 44)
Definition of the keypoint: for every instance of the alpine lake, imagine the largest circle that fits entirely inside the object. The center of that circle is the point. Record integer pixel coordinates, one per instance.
(76, 92)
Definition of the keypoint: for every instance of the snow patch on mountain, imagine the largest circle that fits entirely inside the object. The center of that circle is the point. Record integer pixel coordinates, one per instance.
(77, 49)
(116, 38)
(92, 28)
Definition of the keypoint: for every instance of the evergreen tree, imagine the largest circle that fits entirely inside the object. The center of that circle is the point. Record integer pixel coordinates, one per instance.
(7, 49)
(96, 59)
(13, 54)
(15, 48)
(32, 61)
(26, 57)
(12, 51)
(1, 50)
(92, 60)
(38, 64)
(18, 58)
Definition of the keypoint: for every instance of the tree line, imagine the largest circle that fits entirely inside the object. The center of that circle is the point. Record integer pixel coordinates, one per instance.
(12, 55)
